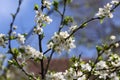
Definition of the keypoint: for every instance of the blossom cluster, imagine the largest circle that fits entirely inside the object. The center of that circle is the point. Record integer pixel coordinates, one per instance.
(41, 18)
(79, 70)
(59, 43)
(69, 74)
(28, 52)
(106, 11)
(108, 69)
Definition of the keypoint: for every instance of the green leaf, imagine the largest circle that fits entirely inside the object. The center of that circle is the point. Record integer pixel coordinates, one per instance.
(67, 20)
(36, 7)
(15, 52)
(55, 4)
(84, 24)
(105, 46)
(100, 58)
(12, 62)
(12, 37)
(101, 20)
(44, 25)
(99, 48)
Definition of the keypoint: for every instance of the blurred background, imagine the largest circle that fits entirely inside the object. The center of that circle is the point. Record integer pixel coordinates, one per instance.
(81, 10)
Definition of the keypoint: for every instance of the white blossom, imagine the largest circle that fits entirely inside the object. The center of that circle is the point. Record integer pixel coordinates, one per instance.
(114, 1)
(30, 52)
(21, 38)
(116, 44)
(101, 65)
(47, 3)
(40, 18)
(86, 67)
(58, 40)
(14, 27)
(38, 30)
(112, 37)
(13, 33)
(55, 76)
(50, 45)
(103, 75)
(114, 76)
(103, 12)
(115, 60)
(2, 39)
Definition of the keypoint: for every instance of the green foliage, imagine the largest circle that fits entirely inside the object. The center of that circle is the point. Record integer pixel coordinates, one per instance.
(55, 4)
(12, 62)
(99, 48)
(36, 7)
(15, 52)
(67, 20)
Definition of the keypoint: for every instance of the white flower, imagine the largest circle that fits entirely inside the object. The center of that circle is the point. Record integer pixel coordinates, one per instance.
(115, 60)
(2, 40)
(13, 33)
(103, 12)
(48, 19)
(86, 67)
(114, 1)
(14, 27)
(38, 30)
(116, 44)
(50, 45)
(82, 77)
(101, 65)
(21, 39)
(47, 3)
(114, 76)
(103, 75)
(30, 52)
(40, 18)
(76, 64)
(58, 40)
(55, 76)
(112, 37)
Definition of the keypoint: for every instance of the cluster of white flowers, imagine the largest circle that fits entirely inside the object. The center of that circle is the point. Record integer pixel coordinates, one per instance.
(59, 43)
(30, 52)
(47, 3)
(2, 40)
(86, 67)
(21, 38)
(69, 74)
(106, 11)
(40, 18)
(106, 69)
(101, 65)
(114, 59)
(114, 76)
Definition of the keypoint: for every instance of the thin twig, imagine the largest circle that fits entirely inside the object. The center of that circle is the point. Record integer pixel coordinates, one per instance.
(62, 16)
(49, 59)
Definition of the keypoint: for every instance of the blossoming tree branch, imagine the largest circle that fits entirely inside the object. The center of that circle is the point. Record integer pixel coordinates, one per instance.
(100, 69)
